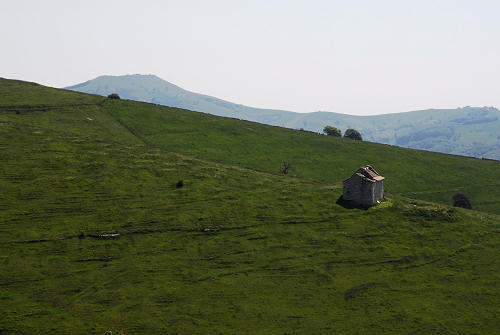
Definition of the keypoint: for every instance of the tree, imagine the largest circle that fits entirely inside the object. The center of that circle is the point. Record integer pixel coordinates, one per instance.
(460, 200)
(113, 96)
(332, 131)
(353, 134)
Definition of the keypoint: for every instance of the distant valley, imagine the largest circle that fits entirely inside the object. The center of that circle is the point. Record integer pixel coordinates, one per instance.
(469, 131)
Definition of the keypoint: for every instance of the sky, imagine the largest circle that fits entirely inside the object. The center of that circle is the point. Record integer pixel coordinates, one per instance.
(359, 57)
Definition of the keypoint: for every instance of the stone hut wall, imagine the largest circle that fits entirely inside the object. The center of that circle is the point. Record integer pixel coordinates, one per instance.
(351, 189)
(378, 193)
(359, 190)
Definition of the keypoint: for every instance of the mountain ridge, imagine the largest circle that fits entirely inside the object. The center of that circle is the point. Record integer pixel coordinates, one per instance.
(468, 131)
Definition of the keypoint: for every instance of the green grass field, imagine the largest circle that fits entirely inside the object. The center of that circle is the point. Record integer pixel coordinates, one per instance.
(412, 173)
(239, 249)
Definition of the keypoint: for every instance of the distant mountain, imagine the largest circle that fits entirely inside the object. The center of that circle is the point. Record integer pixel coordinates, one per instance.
(150, 88)
(470, 131)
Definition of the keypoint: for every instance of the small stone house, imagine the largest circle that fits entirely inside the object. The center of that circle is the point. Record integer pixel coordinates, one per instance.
(365, 187)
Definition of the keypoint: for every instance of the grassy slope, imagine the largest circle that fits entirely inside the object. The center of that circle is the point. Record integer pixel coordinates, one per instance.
(420, 174)
(235, 250)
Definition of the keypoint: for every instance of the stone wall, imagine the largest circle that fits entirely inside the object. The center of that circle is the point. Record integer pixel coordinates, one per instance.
(359, 190)
(362, 191)
(378, 194)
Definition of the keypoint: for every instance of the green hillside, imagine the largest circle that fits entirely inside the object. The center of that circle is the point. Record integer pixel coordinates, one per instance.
(96, 236)
(418, 174)
(470, 131)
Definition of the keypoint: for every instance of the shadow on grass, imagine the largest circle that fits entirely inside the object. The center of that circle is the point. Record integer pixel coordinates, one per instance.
(349, 204)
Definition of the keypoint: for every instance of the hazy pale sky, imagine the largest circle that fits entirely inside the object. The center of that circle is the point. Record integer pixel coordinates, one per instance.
(357, 57)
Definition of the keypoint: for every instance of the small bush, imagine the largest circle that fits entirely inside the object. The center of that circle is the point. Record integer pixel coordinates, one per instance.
(460, 200)
(285, 167)
(113, 96)
(179, 184)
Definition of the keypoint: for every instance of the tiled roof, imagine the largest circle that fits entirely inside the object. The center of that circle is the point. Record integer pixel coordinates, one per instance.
(369, 173)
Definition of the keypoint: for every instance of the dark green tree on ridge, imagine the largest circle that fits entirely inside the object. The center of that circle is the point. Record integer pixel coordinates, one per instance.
(113, 96)
(353, 134)
(332, 131)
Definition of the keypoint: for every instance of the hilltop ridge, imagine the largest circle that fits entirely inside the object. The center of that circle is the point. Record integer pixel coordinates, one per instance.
(469, 131)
